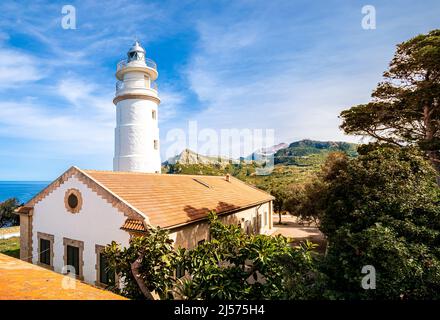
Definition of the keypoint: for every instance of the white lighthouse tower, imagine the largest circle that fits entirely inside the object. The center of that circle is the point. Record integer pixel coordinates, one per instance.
(136, 100)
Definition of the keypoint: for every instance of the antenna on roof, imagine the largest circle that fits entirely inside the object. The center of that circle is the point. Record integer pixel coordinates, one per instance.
(202, 183)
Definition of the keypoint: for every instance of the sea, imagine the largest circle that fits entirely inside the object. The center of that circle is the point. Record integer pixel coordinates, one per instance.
(22, 190)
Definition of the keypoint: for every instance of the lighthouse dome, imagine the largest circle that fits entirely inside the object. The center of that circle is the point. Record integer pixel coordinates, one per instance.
(136, 53)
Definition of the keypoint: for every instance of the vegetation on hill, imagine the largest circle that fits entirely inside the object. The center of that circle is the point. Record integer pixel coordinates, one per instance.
(309, 152)
(296, 165)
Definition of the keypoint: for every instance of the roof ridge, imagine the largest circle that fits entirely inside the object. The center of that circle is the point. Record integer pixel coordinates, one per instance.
(115, 195)
(153, 174)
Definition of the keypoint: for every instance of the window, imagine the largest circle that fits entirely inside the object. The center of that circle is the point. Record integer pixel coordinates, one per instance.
(105, 276)
(265, 219)
(156, 144)
(73, 258)
(180, 271)
(254, 225)
(153, 114)
(45, 251)
(73, 200)
(248, 227)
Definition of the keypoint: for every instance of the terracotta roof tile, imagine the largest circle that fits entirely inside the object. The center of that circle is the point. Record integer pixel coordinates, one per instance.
(170, 200)
(21, 280)
(134, 225)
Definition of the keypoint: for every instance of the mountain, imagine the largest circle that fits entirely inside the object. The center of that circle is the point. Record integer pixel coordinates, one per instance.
(300, 153)
(308, 152)
(188, 156)
(264, 152)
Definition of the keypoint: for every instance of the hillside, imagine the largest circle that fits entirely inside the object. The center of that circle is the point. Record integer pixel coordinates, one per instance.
(296, 163)
(311, 152)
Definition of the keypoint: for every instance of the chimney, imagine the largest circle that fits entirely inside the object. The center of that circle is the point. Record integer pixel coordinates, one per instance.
(228, 176)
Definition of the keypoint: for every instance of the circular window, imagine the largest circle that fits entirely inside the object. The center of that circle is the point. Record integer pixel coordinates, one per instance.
(73, 200)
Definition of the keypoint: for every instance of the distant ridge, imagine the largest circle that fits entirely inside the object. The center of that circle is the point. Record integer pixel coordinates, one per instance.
(307, 148)
(292, 154)
(188, 156)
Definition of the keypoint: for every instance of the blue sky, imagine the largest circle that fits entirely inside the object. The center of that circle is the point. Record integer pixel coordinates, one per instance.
(291, 66)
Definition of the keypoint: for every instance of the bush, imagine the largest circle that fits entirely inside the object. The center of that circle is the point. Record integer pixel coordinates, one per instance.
(381, 209)
(7, 216)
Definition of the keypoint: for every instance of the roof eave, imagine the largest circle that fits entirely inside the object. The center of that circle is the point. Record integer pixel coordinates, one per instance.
(180, 225)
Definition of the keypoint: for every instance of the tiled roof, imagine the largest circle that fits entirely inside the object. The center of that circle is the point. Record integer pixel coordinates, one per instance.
(21, 280)
(134, 225)
(169, 200)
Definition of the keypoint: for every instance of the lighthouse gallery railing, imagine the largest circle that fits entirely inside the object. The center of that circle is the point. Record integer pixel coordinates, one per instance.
(123, 63)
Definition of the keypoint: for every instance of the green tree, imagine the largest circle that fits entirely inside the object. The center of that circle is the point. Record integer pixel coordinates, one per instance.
(7, 216)
(311, 204)
(234, 265)
(231, 265)
(147, 265)
(280, 194)
(405, 107)
(381, 209)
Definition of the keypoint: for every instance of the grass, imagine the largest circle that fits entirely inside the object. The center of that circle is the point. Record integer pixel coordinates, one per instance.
(10, 247)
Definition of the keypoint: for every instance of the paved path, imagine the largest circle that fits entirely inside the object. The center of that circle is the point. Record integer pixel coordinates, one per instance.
(292, 229)
(6, 233)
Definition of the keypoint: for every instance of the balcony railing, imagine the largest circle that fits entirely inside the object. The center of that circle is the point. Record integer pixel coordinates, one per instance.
(120, 85)
(149, 63)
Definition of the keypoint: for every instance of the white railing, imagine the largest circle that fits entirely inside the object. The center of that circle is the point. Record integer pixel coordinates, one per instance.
(120, 85)
(148, 62)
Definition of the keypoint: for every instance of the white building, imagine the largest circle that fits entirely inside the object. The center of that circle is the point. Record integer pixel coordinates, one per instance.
(136, 100)
(70, 221)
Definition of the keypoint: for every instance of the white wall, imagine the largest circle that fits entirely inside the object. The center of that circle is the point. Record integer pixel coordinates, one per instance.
(189, 236)
(97, 223)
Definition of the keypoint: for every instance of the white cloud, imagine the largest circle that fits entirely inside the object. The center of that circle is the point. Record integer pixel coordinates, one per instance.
(73, 133)
(17, 68)
(249, 73)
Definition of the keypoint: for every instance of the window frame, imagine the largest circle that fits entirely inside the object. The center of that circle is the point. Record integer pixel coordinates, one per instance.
(50, 238)
(77, 194)
(98, 250)
(80, 245)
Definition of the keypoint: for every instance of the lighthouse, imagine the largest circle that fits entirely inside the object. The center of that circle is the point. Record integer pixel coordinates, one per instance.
(136, 99)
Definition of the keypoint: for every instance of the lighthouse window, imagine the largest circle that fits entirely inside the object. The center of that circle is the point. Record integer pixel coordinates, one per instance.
(156, 144)
(153, 114)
